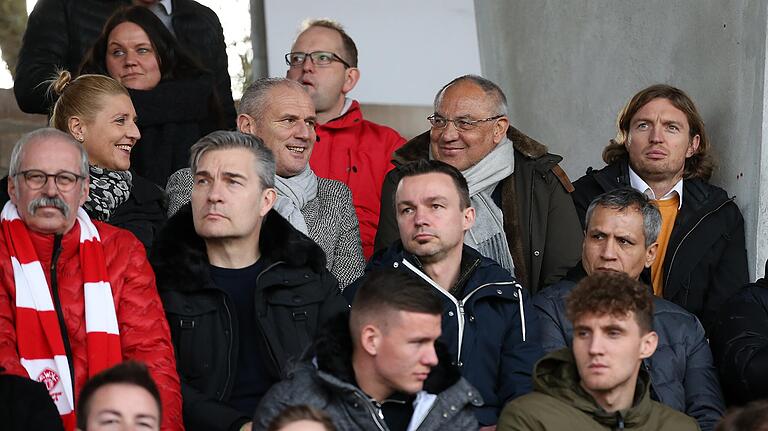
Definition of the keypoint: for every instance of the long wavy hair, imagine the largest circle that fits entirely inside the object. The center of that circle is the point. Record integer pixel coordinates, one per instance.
(700, 165)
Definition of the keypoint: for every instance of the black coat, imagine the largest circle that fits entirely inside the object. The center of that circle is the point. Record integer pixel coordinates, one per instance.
(706, 259)
(143, 213)
(26, 405)
(294, 295)
(740, 344)
(59, 33)
(171, 118)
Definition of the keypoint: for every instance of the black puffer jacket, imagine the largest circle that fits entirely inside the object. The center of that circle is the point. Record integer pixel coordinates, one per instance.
(682, 373)
(706, 259)
(294, 295)
(740, 344)
(444, 404)
(59, 33)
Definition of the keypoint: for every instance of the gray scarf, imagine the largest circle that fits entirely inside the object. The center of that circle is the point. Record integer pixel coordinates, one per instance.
(487, 235)
(107, 190)
(292, 194)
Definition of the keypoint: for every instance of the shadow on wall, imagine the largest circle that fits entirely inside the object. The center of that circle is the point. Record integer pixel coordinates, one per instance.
(13, 124)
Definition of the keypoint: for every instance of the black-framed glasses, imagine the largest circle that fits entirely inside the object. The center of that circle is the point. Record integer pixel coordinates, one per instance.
(319, 58)
(37, 179)
(463, 124)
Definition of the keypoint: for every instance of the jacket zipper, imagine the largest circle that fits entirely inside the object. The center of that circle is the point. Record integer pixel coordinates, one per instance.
(60, 312)
(367, 404)
(672, 261)
(228, 380)
(459, 304)
(261, 329)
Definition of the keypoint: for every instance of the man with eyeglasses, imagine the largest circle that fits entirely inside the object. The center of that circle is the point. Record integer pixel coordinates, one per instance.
(76, 295)
(349, 148)
(525, 219)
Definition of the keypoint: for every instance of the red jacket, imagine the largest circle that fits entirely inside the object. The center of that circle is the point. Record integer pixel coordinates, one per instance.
(144, 334)
(358, 153)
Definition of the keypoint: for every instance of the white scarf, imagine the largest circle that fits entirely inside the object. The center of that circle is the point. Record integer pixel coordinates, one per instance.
(487, 235)
(292, 194)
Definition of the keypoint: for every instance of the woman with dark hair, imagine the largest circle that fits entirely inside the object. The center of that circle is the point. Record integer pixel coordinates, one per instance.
(175, 97)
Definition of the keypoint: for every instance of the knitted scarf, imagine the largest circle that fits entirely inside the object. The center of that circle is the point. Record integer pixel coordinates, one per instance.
(38, 334)
(292, 194)
(487, 235)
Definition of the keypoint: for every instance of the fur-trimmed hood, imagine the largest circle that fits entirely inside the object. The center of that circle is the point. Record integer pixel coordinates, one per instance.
(179, 257)
(333, 350)
(418, 147)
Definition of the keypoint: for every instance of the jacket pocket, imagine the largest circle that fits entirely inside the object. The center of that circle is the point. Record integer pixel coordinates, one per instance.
(293, 317)
(192, 331)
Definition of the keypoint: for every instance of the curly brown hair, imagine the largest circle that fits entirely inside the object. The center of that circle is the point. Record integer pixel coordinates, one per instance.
(700, 165)
(611, 293)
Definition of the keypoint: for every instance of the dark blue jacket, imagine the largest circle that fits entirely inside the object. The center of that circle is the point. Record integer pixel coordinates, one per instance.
(489, 327)
(682, 373)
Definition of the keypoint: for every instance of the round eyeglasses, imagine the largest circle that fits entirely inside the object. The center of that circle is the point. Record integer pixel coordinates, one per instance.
(319, 58)
(463, 124)
(36, 179)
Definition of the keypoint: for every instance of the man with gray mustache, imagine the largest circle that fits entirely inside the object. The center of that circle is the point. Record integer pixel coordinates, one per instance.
(76, 295)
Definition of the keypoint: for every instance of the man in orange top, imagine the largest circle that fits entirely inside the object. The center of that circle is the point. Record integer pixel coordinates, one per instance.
(349, 148)
(661, 149)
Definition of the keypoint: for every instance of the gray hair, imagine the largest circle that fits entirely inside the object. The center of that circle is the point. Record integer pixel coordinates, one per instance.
(225, 140)
(627, 197)
(255, 98)
(43, 134)
(490, 88)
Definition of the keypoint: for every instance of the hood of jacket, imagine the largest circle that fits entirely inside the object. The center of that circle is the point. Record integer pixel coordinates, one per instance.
(556, 375)
(180, 260)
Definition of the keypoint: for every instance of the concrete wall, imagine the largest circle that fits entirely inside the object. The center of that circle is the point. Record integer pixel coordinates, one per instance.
(568, 67)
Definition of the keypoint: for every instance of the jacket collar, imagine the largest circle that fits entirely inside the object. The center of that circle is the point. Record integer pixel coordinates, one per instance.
(418, 147)
(180, 260)
(351, 117)
(557, 376)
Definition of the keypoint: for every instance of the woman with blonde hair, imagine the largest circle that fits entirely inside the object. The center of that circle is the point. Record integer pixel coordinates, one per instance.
(97, 111)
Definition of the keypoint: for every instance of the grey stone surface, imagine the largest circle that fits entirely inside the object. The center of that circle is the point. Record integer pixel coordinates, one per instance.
(568, 67)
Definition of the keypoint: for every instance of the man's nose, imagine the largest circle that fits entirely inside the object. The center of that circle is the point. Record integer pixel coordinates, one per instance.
(429, 357)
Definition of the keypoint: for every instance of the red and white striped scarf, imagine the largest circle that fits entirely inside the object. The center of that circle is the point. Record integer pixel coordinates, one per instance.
(38, 335)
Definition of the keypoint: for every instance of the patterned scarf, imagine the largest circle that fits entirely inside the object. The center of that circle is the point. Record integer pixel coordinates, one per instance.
(107, 191)
(38, 335)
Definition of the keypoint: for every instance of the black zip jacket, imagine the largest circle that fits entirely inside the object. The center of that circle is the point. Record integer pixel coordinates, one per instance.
(293, 295)
(706, 259)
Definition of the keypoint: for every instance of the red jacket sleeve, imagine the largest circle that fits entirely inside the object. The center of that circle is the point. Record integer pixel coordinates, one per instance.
(144, 332)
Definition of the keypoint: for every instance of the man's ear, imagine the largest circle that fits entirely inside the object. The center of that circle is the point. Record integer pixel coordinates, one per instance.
(269, 196)
(500, 129)
(86, 190)
(648, 345)
(693, 147)
(351, 76)
(370, 337)
(12, 189)
(246, 124)
(650, 254)
(469, 218)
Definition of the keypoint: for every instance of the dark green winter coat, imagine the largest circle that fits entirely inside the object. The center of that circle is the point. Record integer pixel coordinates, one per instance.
(559, 403)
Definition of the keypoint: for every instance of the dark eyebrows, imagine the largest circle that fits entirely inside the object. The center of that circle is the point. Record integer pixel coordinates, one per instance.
(613, 327)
